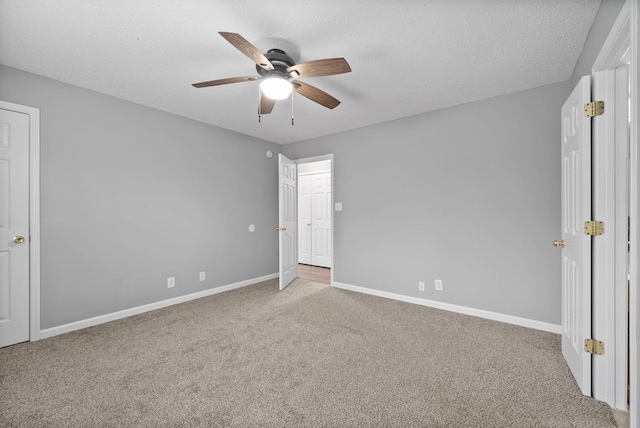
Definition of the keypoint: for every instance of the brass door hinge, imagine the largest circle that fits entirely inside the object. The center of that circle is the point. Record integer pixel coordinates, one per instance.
(594, 108)
(594, 347)
(593, 228)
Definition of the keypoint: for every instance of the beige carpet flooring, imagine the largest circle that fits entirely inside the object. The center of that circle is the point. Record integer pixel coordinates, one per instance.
(309, 356)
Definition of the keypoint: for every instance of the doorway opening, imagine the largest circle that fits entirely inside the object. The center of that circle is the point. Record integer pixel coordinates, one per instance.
(315, 218)
(318, 274)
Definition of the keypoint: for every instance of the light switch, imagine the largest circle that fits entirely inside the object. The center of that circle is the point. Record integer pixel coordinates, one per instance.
(338, 206)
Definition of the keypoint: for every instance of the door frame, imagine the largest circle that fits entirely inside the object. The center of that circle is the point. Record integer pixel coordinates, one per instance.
(34, 213)
(621, 45)
(634, 208)
(332, 171)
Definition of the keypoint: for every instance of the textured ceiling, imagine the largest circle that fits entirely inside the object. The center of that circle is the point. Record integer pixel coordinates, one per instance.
(408, 56)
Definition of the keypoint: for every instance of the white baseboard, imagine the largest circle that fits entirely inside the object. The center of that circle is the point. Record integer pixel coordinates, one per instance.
(495, 316)
(77, 325)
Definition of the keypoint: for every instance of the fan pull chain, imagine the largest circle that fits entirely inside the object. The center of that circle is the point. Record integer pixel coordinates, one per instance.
(291, 108)
(259, 106)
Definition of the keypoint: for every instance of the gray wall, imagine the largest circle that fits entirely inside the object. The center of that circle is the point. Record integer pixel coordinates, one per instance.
(469, 195)
(607, 14)
(131, 195)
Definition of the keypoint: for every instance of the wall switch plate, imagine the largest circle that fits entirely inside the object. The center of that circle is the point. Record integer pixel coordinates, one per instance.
(421, 285)
(202, 276)
(338, 206)
(438, 285)
(171, 282)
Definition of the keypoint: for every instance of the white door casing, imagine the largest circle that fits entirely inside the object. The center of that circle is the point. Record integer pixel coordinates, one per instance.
(603, 187)
(610, 134)
(304, 219)
(612, 203)
(620, 330)
(632, 10)
(287, 216)
(576, 254)
(14, 224)
(321, 219)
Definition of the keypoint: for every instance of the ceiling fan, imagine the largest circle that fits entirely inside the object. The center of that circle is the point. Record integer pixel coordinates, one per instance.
(277, 74)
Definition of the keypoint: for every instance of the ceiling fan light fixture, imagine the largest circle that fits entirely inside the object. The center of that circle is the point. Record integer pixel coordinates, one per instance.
(276, 88)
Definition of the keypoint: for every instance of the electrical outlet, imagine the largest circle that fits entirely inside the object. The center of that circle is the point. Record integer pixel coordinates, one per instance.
(202, 276)
(438, 285)
(421, 285)
(171, 282)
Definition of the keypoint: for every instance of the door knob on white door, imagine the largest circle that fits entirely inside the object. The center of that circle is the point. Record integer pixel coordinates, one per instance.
(18, 239)
(559, 243)
(281, 228)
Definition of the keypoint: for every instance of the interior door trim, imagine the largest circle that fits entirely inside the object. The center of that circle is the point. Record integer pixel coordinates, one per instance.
(608, 385)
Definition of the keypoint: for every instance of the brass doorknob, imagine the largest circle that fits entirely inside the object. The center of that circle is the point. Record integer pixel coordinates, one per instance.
(18, 239)
(281, 228)
(308, 224)
(559, 243)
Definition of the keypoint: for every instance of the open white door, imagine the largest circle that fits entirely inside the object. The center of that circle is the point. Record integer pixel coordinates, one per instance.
(576, 253)
(287, 216)
(14, 227)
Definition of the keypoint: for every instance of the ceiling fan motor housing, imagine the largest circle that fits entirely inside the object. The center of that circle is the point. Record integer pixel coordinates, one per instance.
(280, 61)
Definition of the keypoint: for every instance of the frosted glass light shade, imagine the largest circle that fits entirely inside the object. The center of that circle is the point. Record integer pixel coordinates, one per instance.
(276, 88)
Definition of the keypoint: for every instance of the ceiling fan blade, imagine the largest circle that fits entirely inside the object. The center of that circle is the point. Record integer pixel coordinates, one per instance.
(266, 104)
(315, 94)
(321, 67)
(226, 81)
(248, 49)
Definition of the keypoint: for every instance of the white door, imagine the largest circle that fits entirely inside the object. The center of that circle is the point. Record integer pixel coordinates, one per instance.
(287, 215)
(321, 219)
(14, 227)
(304, 219)
(576, 254)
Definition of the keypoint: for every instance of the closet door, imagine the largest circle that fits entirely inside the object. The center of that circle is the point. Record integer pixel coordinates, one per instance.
(304, 219)
(321, 219)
